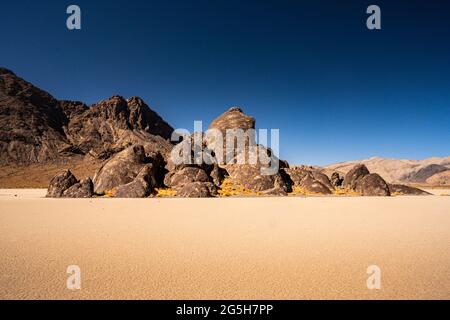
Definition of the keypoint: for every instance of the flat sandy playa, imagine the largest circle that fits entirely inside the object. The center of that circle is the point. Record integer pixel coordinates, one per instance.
(265, 248)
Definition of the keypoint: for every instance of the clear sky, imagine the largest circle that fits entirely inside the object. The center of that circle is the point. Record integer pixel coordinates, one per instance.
(336, 90)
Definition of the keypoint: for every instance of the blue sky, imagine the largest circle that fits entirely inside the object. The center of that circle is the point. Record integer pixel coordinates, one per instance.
(336, 90)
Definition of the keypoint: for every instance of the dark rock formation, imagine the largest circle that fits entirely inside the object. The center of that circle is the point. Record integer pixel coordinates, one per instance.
(120, 169)
(310, 180)
(36, 128)
(336, 180)
(197, 190)
(60, 183)
(31, 122)
(322, 178)
(311, 185)
(82, 189)
(184, 176)
(141, 187)
(351, 178)
(372, 185)
(256, 175)
(115, 124)
(406, 190)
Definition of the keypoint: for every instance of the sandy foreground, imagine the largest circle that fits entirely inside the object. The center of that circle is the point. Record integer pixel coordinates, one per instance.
(266, 248)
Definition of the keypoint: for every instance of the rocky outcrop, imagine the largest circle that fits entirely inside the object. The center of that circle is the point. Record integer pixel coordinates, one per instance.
(401, 189)
(184, 176)
(256, 175)
(60, 183)
(372, 185)
(121, 169)
(31, 122)
(115, 124)
(141, 187)
(314, 186)
(351, 178)
(336, 180)
(310, 180)
(82, 189)
(197, 190)
(37, 128)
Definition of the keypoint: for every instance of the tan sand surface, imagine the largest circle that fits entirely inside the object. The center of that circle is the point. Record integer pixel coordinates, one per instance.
(265, 248)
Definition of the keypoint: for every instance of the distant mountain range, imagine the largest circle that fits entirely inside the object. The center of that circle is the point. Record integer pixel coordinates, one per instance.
(433, 171)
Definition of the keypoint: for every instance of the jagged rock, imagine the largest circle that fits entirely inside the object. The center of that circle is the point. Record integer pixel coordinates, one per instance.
(120, 169)
(372, 185)
(406, 190)
(185, 176)
(72, 108)
(257, 176)
(31, 122)
(197, 190)
(217, 175)
(60, 183)
(297, 174)
(141, 187)
(336, 180)
(351, 178)
(36, 128)
(322, 178)
(311, 185)
(83, 189)
(115, 124)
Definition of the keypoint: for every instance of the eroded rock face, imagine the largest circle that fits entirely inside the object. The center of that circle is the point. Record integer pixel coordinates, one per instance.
(406, 190)
(314, 186)
(185, 176)
(372, 185)
(310, 180)
(37, 128)
(120, 170)
(197, 190)
(258, 177)
(31, 122)
(351, 178)
(82, 189)
(60, 183)
(336, 180)
(115, 124)
(141, 187)
(322, 178)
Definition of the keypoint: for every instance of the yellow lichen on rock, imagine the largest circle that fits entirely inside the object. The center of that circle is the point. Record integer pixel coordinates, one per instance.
(165, 193)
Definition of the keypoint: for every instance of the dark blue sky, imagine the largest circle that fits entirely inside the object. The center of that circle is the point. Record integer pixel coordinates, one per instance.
(336, 90)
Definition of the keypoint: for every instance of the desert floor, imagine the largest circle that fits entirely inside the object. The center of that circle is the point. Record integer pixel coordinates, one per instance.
(240, 248)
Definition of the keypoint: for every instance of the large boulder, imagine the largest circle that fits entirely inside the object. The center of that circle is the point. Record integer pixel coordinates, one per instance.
(314, 186)
(141, 187)
(261, 175)
(322, 178)
(196, 190)
(372, 185)
(351, 178)
(120, 170)
(184, 176)
(60, 183)
(406, 190)
(82, 189)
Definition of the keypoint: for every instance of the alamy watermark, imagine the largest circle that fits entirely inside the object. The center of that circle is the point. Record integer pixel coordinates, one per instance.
(231, 146)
